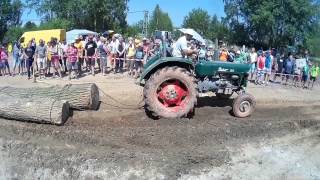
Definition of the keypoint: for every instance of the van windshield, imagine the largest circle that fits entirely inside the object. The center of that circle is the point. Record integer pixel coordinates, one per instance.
(22, 40)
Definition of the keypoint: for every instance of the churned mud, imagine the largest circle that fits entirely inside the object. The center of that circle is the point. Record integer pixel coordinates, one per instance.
(120, 142)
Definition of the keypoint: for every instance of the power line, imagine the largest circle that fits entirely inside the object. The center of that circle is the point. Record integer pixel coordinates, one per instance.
(145, 21)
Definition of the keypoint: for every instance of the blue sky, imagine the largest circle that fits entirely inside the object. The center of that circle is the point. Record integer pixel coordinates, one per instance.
(177, 9)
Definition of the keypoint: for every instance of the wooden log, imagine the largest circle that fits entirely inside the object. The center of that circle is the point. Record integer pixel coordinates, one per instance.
(79, 96)
(40, 110)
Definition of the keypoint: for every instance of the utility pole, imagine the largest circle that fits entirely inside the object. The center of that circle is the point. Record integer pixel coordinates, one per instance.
(145, 23)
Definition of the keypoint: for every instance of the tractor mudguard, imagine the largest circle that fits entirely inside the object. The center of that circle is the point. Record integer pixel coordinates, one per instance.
(158, 62)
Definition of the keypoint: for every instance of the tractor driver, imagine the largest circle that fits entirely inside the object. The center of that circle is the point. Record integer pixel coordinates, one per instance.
(181, 49)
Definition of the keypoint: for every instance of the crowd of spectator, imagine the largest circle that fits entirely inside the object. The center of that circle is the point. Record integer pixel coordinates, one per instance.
(268, 65)
(97, 54)
(85, 55)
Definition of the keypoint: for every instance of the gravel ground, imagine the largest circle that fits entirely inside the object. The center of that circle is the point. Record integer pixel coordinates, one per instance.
(279, 141)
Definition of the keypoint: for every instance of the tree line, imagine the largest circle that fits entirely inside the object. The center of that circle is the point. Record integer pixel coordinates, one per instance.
(264, 23)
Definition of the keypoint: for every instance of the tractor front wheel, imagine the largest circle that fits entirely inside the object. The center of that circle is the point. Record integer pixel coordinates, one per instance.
(243, 105)
(170, 93)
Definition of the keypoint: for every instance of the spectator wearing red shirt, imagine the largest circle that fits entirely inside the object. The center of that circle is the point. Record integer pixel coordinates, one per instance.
(73, 58)
(260, 67)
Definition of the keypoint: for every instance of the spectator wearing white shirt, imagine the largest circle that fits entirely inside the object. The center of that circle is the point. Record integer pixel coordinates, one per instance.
(253, 62)
(181, 49)
(113, 51)
(121, 51)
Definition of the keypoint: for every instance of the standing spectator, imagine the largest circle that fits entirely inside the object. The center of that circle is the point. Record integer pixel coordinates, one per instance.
(157, 48)
(260, 68)
(305, 74)
(210, 53)
(314, 74)
(29, 56)
(278, 65)
(54, 51)
(238, 57)
(139, 60)
(120, 55)
(223, 55)
(72, 58)
(103, 50)
(253, 61)
(288, 68)
(131, 55)
(297, 75)
(146, 49)
(79, 45)
(10, 48)
(33, 44)
(48, 58)
(41, 54)
(22, 63)
(90, 53)
(268, 67)
(97, 39)
(113, 54)
(4, 59)
(2, 71)
(64, 48)
(15, 55)
(202, 52)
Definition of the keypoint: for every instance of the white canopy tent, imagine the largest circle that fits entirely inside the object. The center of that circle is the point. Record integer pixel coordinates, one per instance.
(75, 33)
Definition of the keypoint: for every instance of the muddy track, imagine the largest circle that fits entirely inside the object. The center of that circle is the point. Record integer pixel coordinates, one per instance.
(114, 146)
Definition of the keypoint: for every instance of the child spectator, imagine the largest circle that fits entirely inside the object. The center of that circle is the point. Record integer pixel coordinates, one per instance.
(253, 61)
(305, 74)
(268, 66)
(72, 58)
(22, 63)
(131, 55)
(314, 74)
(104, 51)
(4, 60)
(260, 68)
(54, 51)
(2, 71)
(16, 61)
(139, 60)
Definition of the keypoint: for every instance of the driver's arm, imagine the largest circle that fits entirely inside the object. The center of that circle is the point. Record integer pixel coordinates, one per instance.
(187, 51)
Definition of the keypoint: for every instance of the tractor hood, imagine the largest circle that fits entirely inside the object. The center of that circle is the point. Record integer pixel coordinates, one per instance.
(211, 68)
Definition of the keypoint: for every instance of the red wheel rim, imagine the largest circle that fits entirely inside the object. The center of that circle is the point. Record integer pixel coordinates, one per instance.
(173, 95)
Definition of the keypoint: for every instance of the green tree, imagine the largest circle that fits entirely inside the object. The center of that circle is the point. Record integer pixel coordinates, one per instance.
(160, 21)
(55, 24)
(312, 42)
(97, 15)
(270, 23)
(30, 26)
(210, 27)
(135, 29)
(199, 20)
(10, 15)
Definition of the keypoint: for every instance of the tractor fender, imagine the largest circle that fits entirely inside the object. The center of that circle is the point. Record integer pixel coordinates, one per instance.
(154, 64)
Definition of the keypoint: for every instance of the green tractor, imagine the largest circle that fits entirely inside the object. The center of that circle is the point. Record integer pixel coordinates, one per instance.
(171, 85)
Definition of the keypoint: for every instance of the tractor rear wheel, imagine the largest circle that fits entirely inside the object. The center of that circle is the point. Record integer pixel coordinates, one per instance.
(243, 105)
(170, 93)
